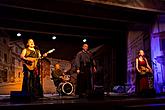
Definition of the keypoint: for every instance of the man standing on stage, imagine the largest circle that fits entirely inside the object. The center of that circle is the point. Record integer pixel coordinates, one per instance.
(85, 66)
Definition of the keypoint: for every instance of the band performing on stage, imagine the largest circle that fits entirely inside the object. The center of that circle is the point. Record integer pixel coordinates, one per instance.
(85, 67)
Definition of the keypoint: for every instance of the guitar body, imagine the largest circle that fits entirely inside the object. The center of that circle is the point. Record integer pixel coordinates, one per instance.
(31, 65)
(144, 70)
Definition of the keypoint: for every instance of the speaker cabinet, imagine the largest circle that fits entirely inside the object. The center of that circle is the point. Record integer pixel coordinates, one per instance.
(18, 96)
(98, 92)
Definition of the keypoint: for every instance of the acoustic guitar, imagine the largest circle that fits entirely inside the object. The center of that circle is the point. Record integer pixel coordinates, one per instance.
(32, 65)
(144, 70)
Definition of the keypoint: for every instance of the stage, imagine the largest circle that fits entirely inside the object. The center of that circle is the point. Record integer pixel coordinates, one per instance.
(112, 101)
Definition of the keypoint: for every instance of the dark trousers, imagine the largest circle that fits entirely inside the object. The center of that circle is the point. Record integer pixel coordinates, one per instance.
(57, 83)
(84, 85)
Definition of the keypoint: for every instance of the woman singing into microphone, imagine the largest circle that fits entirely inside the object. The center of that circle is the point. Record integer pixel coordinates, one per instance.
(31, 82)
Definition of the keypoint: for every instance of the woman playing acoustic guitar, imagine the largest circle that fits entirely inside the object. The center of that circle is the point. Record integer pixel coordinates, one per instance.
(143, 71)
(31, 82)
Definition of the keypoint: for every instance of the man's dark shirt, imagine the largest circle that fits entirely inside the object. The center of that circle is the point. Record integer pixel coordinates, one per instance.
(84, 58)
(56, 76)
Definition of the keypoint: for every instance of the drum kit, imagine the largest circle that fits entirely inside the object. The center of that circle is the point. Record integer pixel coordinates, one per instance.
(66, 87)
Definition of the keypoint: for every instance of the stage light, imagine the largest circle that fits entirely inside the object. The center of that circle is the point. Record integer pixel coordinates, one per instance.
(54, 37)
(18, 34)
(84, 40)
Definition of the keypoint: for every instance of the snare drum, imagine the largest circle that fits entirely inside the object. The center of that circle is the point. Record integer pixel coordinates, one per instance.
(67, 77)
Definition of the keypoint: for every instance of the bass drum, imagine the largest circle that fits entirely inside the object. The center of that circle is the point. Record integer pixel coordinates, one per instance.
(66, 88)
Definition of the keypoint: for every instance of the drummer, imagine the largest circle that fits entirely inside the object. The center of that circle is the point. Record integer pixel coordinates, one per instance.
(57, 76)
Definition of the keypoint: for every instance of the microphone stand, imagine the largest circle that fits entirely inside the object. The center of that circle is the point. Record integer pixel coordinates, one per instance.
(41, 76)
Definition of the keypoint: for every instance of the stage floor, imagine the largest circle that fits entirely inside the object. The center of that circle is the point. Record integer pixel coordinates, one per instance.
(112, 101)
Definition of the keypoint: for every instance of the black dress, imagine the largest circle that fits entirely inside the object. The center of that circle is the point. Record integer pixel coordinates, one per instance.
(31, 81)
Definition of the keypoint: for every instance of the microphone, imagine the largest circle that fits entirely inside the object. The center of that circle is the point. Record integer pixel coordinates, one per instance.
(36, 47)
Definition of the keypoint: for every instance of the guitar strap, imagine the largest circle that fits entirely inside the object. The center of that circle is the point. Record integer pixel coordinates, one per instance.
(33, 54)
(27, 52)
